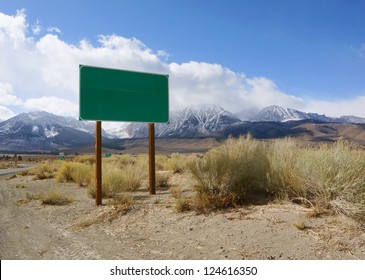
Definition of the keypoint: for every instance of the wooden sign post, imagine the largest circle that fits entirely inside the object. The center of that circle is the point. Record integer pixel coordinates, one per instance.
(98, 175)
(151, 149)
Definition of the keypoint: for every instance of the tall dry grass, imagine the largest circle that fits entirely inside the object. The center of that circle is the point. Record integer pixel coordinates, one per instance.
(120, 179)
(44, 170)
(80, 173)
(231, 173)
(329, 176)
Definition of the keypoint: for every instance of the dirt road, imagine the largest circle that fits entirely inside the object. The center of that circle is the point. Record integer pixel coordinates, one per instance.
(152, 229)
(13, 170)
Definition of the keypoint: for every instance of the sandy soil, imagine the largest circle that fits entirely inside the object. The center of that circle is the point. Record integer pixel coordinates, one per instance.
(152, 229)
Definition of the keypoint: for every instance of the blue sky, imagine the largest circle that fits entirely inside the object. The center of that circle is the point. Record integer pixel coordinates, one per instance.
(309, 55)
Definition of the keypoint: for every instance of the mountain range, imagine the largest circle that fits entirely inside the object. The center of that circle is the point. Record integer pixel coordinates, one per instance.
(46, 132)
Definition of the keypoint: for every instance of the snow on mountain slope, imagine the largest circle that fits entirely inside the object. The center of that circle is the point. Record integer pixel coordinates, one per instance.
(279, 114)
(43, 131)
(193, 121)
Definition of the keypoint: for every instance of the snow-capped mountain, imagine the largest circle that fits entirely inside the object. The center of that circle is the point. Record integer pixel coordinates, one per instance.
(278, 114)
(44, 131)
(193, 121)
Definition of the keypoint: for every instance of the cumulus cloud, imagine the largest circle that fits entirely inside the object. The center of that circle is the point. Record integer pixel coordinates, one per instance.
(163, 54)
(6, 96)
(52, 104)
(196, 83)
(42, 74)
(5, 113)
(354, 107)
(264, 92)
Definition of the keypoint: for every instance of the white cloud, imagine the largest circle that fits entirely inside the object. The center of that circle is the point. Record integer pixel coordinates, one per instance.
(354, 107)
(37, 28)
(53, 29)
(163, 54)
(53, 105)
(199, 82)
(6, 96)
(264, 92)
(196, 82)
(42, 74)
(5, 113)
(13, 27)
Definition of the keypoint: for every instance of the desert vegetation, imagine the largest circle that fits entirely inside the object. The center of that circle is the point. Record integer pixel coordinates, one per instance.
(328, 178)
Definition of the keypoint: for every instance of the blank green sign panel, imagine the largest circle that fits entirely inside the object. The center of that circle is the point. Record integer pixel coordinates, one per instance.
(118, 95)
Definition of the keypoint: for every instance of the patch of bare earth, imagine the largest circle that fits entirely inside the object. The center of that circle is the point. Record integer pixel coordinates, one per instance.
(152, 229)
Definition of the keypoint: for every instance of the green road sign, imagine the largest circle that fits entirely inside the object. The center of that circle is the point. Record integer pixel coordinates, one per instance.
(119, 95)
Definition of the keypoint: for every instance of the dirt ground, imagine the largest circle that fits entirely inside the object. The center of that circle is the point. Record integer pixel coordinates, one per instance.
(152, 229)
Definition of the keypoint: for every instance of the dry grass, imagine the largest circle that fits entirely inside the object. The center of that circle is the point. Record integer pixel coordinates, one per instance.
(122, 199)
(115, 208)
(87, 159)
(327, 178)
(175, 191)
(33, 196)
(51, 198)
(302, 225)
(44, 170)
(20, 186)
(176, 162)
(56, 198)
(80, 173)
(120, 179)
(162, 179)
(183, 204)
(120, 160)
(231, 173)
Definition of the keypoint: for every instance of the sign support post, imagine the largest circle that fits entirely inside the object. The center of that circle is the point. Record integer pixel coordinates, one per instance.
(151, 148)
(98, 163)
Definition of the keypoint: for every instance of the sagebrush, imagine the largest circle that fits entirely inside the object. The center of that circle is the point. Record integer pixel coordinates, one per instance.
(327, 176)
